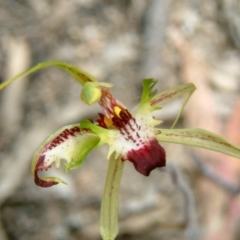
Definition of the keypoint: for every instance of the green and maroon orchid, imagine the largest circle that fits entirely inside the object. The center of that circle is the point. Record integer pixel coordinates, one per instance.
(133, 136)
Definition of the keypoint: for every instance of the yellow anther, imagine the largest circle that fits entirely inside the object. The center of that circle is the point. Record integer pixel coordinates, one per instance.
(108, 121)
(117, 111)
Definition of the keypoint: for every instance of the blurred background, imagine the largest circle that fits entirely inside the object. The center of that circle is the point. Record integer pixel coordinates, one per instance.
(197, 195)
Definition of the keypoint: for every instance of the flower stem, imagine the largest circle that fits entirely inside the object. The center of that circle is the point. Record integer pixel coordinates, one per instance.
(110, 200)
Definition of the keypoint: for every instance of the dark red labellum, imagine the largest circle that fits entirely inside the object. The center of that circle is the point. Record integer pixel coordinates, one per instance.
(147, 158)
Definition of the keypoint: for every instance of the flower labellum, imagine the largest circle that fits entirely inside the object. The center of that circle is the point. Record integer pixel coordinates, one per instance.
(147, 158)
(143, 150)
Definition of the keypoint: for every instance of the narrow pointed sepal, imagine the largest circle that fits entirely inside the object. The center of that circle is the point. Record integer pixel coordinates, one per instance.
(71, 144)
(198, 138)
(80, 75)
(172, 93)
(158, 100)
(110, 199)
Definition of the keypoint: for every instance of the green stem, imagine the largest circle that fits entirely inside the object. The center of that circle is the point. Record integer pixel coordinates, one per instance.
(110, 200)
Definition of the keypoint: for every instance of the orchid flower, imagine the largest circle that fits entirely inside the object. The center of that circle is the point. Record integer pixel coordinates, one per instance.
(132, 136)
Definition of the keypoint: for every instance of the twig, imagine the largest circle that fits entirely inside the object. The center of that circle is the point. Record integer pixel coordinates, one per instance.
(211, 174)
(18, 56)
(153, 37)
(192, 231)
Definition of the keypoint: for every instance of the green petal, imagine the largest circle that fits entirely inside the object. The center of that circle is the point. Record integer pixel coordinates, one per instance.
(70, 143)
(110, 200)
(80, 75)
(199, 138)
(172, 93)
(163, 97)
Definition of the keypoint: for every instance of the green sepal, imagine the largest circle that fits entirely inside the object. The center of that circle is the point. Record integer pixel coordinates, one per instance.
(80, 75)
(198, 138)
(110, 199)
